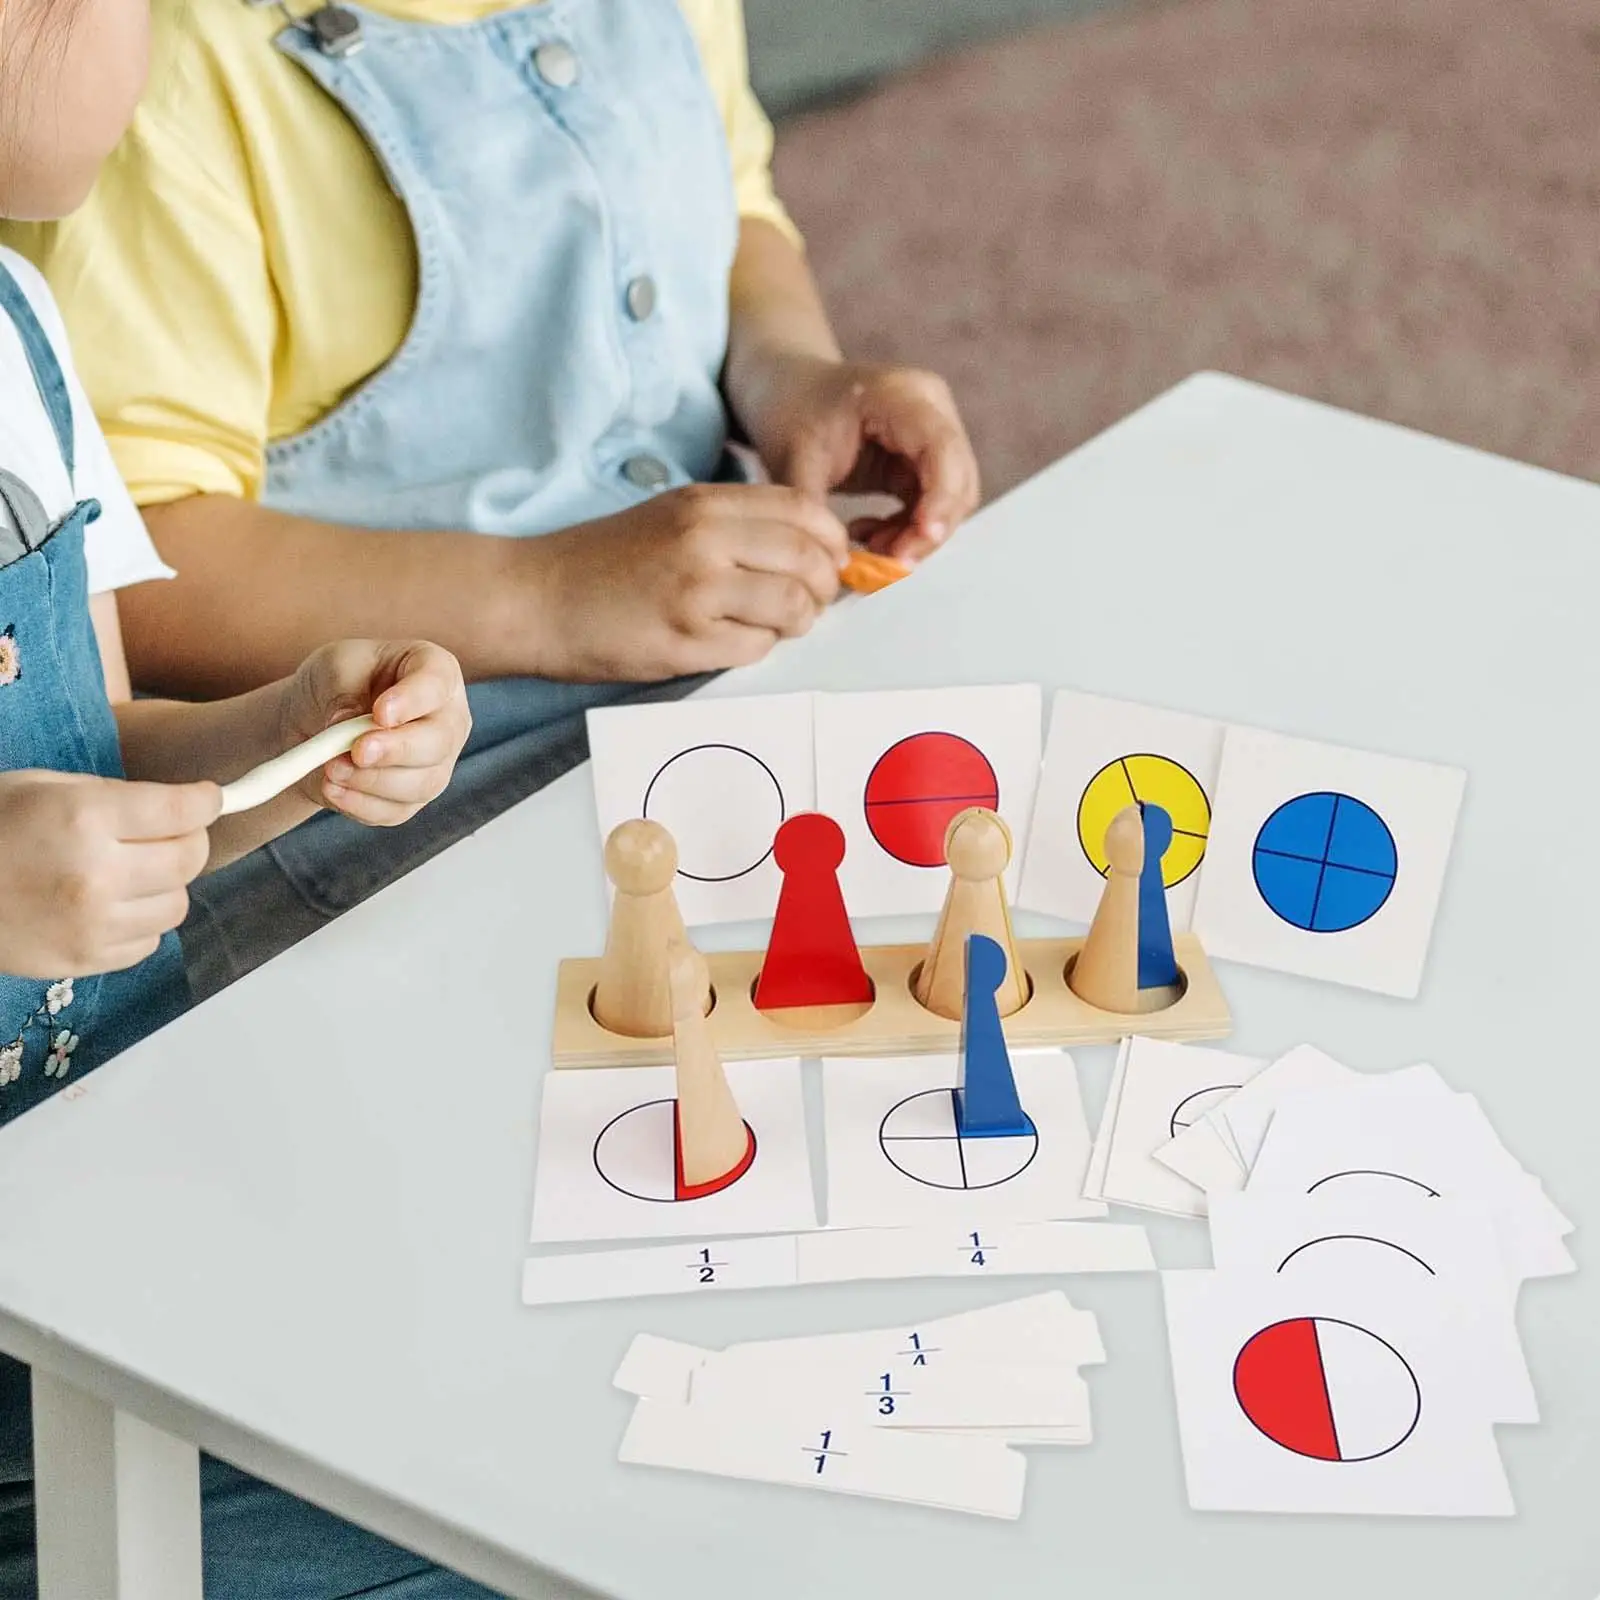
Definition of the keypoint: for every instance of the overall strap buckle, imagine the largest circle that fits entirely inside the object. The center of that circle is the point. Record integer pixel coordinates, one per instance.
(334, 30)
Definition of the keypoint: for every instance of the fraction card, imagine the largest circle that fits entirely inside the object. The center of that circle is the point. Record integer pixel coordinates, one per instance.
(1101, 757)
(780, 1261)
(963, 1395)
(1216, 1152)
(1399, 1238)
(697, 1267)
(893, 770)
(608, 1159)
(1035, 1330)
(720, 776)
(804, 1446)
(998, 1250)
(1323, 1393)
(1160, 1089)
(897, 1156)
(1326, 862)
(1368, 1139)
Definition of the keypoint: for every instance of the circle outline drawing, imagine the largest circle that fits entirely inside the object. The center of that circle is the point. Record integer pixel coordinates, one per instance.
(1176, 767)
(738, 749)
(659, 1199)
(953, 1137)
(1323, 863)
(1334, 1322)
(990, 799)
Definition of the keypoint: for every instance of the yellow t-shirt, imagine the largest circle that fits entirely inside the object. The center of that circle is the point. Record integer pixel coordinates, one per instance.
(243, 264)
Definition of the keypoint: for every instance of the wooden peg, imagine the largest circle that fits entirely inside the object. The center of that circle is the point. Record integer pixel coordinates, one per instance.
(977, 845)
(632, 995)
(1106, 973)
(713, 1144)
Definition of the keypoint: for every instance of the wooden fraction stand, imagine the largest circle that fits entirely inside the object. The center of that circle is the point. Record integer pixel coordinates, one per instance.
(895, 1023)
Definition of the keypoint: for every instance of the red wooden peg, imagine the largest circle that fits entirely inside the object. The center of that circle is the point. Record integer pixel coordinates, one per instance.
(812, 959)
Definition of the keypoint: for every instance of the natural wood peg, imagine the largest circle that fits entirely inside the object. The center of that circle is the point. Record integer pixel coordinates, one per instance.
(632, 996)
(977, 846)
(712, 1137)
(1106, 973)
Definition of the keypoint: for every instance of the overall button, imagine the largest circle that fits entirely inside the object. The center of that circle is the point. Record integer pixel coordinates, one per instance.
(641, 297)
(645, 472)
(556, 63)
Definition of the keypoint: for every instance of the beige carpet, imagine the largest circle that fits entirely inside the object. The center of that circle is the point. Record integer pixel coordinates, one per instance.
(1391, 205)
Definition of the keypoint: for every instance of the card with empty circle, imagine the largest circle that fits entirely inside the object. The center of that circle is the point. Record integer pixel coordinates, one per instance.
(721, 776)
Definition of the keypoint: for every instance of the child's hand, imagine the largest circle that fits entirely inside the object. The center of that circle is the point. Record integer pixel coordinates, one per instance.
(695, 580)
(832, 427)
(92, 871)
(414, 692)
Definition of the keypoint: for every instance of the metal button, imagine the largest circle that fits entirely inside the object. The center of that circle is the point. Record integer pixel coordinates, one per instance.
(641, 297)
(645, 472)
(337, 31)
(557, 63)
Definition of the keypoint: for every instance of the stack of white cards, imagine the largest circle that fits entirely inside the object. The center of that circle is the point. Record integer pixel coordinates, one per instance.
(928, 1414)
(1355, 1346)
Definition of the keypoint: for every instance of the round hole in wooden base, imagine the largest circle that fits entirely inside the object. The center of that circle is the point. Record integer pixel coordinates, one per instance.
(1029, 989)
(1150, 1000)
(711, 1006)
(815, 1019)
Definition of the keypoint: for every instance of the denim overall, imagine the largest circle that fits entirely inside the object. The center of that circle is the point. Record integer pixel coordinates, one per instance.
(566, 173)
(54, 715)
(260, 1544)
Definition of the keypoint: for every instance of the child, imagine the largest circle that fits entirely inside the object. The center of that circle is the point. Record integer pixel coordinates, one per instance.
(107, 808)
(371, 294)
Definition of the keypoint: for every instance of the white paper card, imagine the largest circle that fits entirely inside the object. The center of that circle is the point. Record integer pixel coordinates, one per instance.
(1034, 1331)
(954, 1395)
(1372, 1142)
(895, 767)
(1217, 1152)
(1200, 1155)
(1327, 862)
(659, 1369)
(1094, 1181)
(895, 1158)
(1321, 1396)
(699, 1268)
(1165, 1087)
(720, 776)
(816, 1451)
(1101, 757)
(1404, 1240)
(996, 1251)
(606, 1157)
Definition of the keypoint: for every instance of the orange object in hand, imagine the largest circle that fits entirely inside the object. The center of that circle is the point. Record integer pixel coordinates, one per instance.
(867, 573)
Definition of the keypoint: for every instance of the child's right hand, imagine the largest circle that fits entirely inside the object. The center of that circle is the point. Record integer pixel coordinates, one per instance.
(697, 579)
(92, 871)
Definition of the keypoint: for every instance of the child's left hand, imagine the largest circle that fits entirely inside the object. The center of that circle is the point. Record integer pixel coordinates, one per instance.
(414, 691)
(839, 427)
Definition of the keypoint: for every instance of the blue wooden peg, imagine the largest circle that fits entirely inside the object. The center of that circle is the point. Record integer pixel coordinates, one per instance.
(986, 1095)
(1158, 966)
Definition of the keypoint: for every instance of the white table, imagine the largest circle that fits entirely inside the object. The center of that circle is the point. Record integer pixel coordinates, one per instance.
(290, 1229)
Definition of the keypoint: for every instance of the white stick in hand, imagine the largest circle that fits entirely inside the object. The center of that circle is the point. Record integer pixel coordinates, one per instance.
(283, 772)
